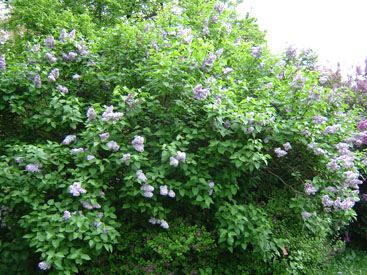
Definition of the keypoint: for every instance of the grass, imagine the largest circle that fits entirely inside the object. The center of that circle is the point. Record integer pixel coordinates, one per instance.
(348, 262)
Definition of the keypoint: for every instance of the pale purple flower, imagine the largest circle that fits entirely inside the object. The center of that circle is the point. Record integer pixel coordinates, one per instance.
(318, 151)
(219, 7)
(125, 159)
(97, 224)
(291, 53)
(148, 194)
(138, 143)
(257, 51)
(50, 42)
(199, 93)
(319, 119)
(228, 28)
(51, 58)
(54, 74)
(86, 205)
(347, 204)
(227, 124)
(140, 175)
(298, 81)
(113, 146)
(219, 52)
(323, 79)
(343, 148)
(37, 81)
(332, 189)
(173, 161)
(100, 215)
(76, 189)
(331, 129)
(306, 133)
(77, 150)
(44, 266)
(237, 43)
(188, 39)
(211, 79)
(287, 146)
(209, 61)
(211, 184)
(62, 89)
(33, 167)
(333, 166)
(164, 224)
(210, 192)
(326, 201)
(91, 63)
(311, 146)
(227, 71)
(90, 157)
(362, 125)
(181, 156)
(306, 215)
(153, 220)
(63, 36)
(91, 114)
(68, 139)
(104, 136)
(163, 190)
(280, 153)
(2, 63)
(66, 215)
(108, 114)
(171, 194)
(19, 159)
(70, 56)
(309, 189)
(206, 30)
(147, 188)
(76, 76)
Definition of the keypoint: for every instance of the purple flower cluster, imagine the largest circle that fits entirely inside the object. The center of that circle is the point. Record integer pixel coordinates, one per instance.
(227, 71)
(51, 58)
(309, 189)
(331, 129)
(76, 189)
(108, 114)
(44, 266)
(352, 179)
(174, 161)
(70, 56)
(161, 222)
(318, 119)
(64, 35)
(50, 42)
(62, 89)
(257, 51)
(33, 167)
(291, 53)
(104, 136)
(163, 189)
(76, 76)
(2, 63)
(219, 7)
(211, 186)
(54, 74)
(68, 139)
(199, 93)
(113, 146)
(138, 143)
(91, 114)
(140, 175)
(147, 189)
(280, 153)
(88, 206)
(37, 81)
(306, 215)
(66, 215)
(287, 146)
(362, 125)
(125, 159)
(77, 150)
(298, 81)
(209, 61)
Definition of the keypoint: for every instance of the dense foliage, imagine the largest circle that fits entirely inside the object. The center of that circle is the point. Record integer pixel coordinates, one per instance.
(179, 136)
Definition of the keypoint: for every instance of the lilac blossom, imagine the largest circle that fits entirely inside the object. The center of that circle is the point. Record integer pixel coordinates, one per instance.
(206, 30)
(37, 81)
(306, 133)
(199, 93)
(347, 204)
(323, 79)
(108, 114)
(62, 89)
(227, 71)
(77, 150)
(249, 130)
(125, 159)
(138, 143)
(237, 43)
(50, 42)
(215, 19)
(298, 81)
(51, 58)
(100, 215)
(113, 146)
(90, 157)
(66, 215)
(91, 114)
(348, 161)
(54, 74)
(311, 146)
(104, 136)
(173, 161)
(331, 129)
(2, 63)
(163, 190)
(257, 51)
(164, 224)
(76, 189)
(333, 166)
(19, 159)
(148, 194)
(171, 194)
(332, 189)
(352, 179)
(219, 7)
(76, 76)
(318, 151)
(33, 167)
(188, 39)
(228, 28)
(291, 53)
(306, 215)
(362, 125)
(69, 139)
(44, 266)
(287, 146)
(280, 153)
(181, 156)
(326, 201)
(219, 52)
(211, 79)
(161, 222)
(343, 148)
(140, 175)
(86, 205)
(209, 61)
(70, 56)
(309, 189)
(147, 188)
(317, 119)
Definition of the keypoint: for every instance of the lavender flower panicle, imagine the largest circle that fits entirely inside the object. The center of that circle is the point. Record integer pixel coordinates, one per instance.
(76, 189)
(50, 42)
(77, 150)
(140, 175)
(125, 159)
(62, 89)
(69, 139)
(104, 136)
(138, 143)
(91, 114)
(113, 146)
(37, 81)
(33, 167)
(43, 265)
(2, 63)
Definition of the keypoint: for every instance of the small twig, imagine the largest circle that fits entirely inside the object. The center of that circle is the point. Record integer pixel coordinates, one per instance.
(294, 190)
